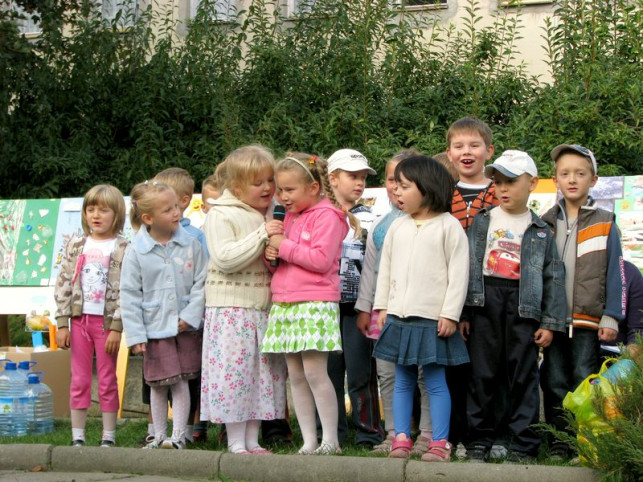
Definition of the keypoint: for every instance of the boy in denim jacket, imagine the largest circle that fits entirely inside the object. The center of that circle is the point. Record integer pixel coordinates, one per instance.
(588, 240)
(516, 282)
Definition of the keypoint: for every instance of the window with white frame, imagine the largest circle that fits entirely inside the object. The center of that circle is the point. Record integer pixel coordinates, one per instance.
(27, 25)
(128, 9)
(300, 6)
(224, 10)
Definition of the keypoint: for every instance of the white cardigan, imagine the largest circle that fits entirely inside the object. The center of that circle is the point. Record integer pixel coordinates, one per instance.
(424, 271)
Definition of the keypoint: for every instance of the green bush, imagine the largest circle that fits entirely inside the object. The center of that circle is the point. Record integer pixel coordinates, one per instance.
(88, 101)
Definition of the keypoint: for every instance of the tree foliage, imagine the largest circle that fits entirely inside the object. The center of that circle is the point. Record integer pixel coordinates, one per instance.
(90, 101)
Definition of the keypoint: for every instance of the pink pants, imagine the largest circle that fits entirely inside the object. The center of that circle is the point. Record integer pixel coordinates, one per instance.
(87, 335)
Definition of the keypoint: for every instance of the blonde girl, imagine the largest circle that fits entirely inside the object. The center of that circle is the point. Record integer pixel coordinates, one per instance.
(162, 302)
(86, 293)
(239, 385)
(304, 318)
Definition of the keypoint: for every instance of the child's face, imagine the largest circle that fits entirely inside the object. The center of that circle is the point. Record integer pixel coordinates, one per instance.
(409, 198)
(100, 219)
(468, 153)
(390, 182)
(164, 219)
(259, 193)
(208, 194)
(513, 193)
(348, 186)
(574, 177)
(295, 194)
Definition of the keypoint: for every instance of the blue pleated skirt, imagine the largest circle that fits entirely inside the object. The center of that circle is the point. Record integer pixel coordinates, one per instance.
(415, 341)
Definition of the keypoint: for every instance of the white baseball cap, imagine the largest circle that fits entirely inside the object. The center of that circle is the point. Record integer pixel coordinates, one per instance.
(583, 151)
(349, 160)
(512, 164)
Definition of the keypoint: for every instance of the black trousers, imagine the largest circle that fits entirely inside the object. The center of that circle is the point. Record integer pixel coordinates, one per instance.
(504, 363)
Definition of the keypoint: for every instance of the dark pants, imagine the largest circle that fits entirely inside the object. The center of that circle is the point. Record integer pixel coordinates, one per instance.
(504, 358)
(358, 363)
(458, 377)
(567, 362)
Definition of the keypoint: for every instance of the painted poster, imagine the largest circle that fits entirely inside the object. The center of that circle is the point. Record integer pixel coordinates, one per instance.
(28, 228)
(69, 224)
(629, 216)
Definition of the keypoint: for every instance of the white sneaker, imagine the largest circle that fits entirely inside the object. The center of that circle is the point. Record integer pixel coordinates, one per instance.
(498, 452)
(173, 444)
(327, 449)
(461, 451)
(154, 444)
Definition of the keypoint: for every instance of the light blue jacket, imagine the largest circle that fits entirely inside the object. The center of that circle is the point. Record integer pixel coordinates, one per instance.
(161, 285)
(542, 273)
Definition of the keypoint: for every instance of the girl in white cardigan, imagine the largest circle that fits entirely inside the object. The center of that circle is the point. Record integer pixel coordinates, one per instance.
(420, 293)
(239, 385)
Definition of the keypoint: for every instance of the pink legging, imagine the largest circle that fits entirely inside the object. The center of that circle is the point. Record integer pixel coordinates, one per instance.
(86, 336)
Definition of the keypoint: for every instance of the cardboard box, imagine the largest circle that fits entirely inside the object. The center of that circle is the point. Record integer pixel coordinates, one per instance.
(56, 367)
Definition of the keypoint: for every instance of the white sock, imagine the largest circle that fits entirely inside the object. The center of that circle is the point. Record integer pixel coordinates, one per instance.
(315, 367)
(236, 437)
(180, 409)
(78, 434)
(189, 432)
(158, 405)
(150, 429)
(252, 434)
(109, 435)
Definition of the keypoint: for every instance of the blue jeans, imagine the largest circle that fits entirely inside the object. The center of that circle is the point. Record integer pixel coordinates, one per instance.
(439, 399)
(566, 363)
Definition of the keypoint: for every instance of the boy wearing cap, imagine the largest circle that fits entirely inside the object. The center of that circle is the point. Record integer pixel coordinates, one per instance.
(588, 241)
(516, 282)
(347, 171)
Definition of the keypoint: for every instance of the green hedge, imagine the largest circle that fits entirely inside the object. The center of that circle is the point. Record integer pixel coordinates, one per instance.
(88, 101)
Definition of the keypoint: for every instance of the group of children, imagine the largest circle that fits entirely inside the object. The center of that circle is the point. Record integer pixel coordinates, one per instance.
(458, 288)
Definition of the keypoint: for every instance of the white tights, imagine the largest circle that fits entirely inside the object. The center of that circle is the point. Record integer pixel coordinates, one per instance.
(180, 409)
(311, 386)
(243, 436)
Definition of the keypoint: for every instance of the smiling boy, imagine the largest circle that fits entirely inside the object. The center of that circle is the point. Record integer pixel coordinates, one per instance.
(588, 241)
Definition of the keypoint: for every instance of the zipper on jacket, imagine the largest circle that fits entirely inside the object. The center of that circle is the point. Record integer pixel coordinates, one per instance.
(568, 231)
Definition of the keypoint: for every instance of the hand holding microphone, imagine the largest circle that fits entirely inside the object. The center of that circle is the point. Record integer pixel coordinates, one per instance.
(278, 215)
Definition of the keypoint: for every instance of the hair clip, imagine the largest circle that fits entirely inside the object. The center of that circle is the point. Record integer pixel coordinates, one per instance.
(312, 159)
(133, 203)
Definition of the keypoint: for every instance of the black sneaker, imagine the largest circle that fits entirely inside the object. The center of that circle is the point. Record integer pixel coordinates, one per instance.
(107, 443)
(477, 454)
(520, 458)
(560, 452)
(78, 443)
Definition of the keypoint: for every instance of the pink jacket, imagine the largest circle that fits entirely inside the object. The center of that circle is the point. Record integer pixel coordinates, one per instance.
(309, 255)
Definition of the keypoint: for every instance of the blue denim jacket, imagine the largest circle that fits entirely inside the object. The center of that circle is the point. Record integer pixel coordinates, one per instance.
(542, 273)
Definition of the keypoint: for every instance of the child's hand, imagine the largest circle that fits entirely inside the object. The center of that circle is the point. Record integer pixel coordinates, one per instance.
(543, 337)
(381, 319)
(464, 328)
(363, 320)
(138, 348)
(275, 241)
(62, 338)
(274, 227)
(446, 327)
(113, 342)
(607, 334)
(183, 326)
(271, 253)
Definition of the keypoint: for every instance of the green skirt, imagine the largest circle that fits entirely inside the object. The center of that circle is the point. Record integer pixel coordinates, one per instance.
(297, 327)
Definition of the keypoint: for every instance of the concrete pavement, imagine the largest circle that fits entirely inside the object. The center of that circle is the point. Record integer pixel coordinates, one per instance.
(95, 464)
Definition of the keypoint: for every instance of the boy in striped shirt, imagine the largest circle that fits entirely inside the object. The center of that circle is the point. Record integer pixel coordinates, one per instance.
(588, 242)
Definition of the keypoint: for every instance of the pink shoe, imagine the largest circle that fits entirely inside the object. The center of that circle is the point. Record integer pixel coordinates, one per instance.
(439, 451)
(401, 448)
(259, 451)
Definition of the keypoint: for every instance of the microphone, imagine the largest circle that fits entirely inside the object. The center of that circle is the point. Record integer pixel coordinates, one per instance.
(279, 214)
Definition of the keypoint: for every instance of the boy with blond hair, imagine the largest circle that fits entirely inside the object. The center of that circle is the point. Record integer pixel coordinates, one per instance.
(588, 241)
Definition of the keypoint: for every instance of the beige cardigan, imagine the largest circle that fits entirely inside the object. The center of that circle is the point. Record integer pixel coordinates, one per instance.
(236, 236)
(424, 271)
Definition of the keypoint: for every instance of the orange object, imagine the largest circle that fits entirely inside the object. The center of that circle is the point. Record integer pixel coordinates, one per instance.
(52, 337)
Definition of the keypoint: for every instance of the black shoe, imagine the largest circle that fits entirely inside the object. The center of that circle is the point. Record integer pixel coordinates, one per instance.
(77, 443)
(477, 453)
(520, 458)
(199, 437)
(560, 452)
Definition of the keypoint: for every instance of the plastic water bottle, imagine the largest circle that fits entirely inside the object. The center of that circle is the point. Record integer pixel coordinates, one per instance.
(41, 416)
(14, 402)
(24, 367)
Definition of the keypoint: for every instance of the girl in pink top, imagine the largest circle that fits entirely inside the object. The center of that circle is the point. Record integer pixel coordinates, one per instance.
(304, 318)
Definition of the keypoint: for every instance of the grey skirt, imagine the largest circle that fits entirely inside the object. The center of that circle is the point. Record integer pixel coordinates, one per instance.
(415, 341)
(168, 360)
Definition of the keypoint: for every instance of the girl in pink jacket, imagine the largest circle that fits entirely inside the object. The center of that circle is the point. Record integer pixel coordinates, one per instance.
(304, 318)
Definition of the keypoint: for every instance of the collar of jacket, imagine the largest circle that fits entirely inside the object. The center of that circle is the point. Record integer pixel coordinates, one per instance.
(144, 243)
(535, 219)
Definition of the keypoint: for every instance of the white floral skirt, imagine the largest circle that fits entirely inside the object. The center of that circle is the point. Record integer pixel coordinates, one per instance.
(238, 382)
